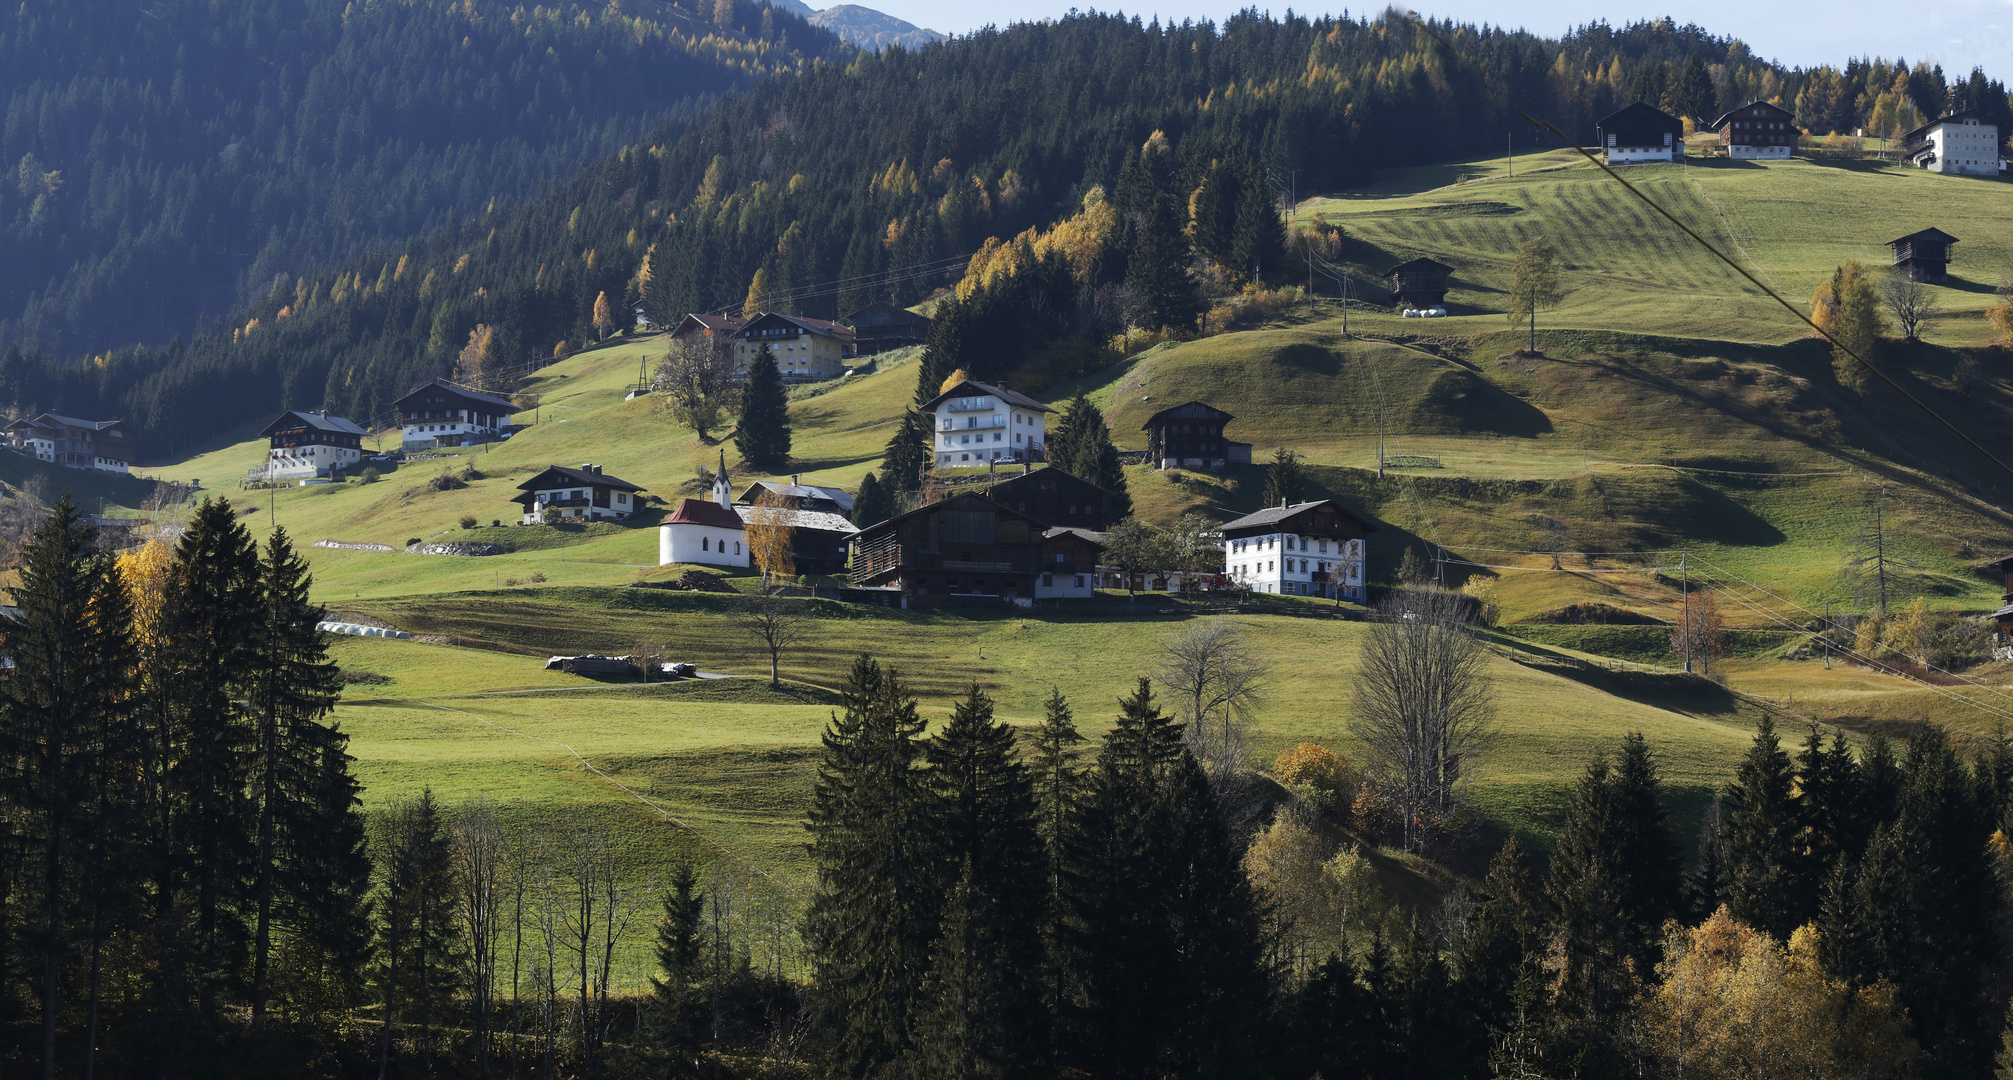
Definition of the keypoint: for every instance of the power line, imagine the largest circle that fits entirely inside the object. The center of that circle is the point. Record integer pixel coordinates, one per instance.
(1715, 252)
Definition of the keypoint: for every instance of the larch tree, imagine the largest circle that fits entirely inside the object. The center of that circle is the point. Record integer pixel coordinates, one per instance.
(1848, 310)
(1535, 284)
(771, 536)
(604, 317)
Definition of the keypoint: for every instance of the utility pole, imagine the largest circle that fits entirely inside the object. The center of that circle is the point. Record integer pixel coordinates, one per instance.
(1686, 575)
(1440, 568)
(1827, 637)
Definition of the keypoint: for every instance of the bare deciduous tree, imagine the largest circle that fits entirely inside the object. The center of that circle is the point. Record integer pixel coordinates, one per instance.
(773, 621)
(1909, 301)
(1874, 565)
(1216, 679)
(481, 850)
(701, 378)
(1424, 709)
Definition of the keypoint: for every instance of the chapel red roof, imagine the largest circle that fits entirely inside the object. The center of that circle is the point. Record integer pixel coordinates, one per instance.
(704, 512)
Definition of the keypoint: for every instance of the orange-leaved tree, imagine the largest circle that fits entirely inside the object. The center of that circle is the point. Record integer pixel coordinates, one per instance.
(769, 537)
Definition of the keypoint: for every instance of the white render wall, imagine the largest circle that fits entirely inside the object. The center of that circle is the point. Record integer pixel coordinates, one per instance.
(1287, 563)
(1968, 148)
(1069, 586)
(976, 430)
(707, 545)
(292, 462)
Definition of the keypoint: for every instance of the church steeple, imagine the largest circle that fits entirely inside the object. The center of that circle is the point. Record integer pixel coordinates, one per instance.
(723, 488)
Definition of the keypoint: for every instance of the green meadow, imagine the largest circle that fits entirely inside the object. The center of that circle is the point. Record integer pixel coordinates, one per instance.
(1674, 418)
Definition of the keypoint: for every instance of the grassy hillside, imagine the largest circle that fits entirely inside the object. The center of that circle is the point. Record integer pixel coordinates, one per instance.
(1667, 412)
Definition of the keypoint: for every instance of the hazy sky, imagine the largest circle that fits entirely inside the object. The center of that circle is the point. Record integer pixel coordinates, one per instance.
(1959, 34)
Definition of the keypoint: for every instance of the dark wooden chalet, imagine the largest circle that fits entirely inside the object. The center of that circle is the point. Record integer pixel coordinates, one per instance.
(1054, 497)
(1758, 129)
(584, 494)
(1190, 436)
(1641, 132)
(965, 546)
(1923, 256)
(880, 327)
(441, 413)
(1421, 283)
(830, 500)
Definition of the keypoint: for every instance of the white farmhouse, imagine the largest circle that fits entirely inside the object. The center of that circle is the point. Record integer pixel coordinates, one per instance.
(1306, 549)
(977, 423)
(582, 494)
(706, 532)
(310, 445)
(1964, 143)
(98, 445)
(443, 414)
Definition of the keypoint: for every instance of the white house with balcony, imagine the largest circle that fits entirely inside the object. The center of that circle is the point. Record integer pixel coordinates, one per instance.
(1305, 549)
(307, 444)
(1964, 143)
(978, 423)
(583, 494)
(441, 413)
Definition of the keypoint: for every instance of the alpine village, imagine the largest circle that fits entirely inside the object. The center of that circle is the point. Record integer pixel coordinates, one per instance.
(643, 540)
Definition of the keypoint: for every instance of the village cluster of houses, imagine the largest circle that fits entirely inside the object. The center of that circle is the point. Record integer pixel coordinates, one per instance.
(806, 349)
(1963, 143)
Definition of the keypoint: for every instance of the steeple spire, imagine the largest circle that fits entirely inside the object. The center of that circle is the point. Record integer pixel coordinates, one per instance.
(723, 488)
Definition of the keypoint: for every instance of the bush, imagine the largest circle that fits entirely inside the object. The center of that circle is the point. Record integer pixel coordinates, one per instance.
(510, 581)
(468, 473)
(411, 540)
(368, 475)
(446, 481)
(537, 576)
(496, 523)
(468, 521)
(363, 678)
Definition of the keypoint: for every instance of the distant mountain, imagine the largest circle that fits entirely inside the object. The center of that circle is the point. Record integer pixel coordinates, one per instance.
(865, 27)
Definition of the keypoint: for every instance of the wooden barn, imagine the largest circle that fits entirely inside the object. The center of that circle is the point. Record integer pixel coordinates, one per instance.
(966, 549)
(880, 327)
(1190, 436)
(1641, 132)
(1923, 256)
(1053, 497)
(1420, 284)
(1758, 130)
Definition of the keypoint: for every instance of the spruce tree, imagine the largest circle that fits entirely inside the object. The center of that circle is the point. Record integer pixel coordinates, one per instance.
(1166, 934)
(1082, 446)
(1763, 868)
(1259, 247)
(907, 454)
(677, 1006)
(1505, 938)
(201, 816)
(293, 687)
(1285, 480)
(1157, 266)
(874, 913)
(1616, 875)
(1331, 1025)
(873, 503)
(762, 431)
(1058, 792)
(66, 734)
(982, 826)
(419, 935)
(1828, 798)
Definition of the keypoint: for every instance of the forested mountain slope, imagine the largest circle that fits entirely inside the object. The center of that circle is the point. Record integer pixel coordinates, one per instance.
(166, 161)
(881, 175)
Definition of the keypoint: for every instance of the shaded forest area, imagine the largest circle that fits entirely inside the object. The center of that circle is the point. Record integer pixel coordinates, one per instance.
(878, 179)
(168, 161)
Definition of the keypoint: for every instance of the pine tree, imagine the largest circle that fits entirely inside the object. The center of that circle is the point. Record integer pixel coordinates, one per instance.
(1332, 1023)
(873, 503)
(1763, 867)
(1260, 240)
(293, 686)
(982, 828)
(66, 734)
(677, 1006)
(1058, 792)
(762, 433)
(874, 914)
(1285, 481)
(1828, 798)
(1083, 448)
(1157, 261)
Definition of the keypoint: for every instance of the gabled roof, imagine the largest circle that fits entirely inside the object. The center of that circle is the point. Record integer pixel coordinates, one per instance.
(1418, 265)
(556, 476)
(814, 520)
(1963, 114)
(49, 419)
(1639, 114)
(815, 326)
(943, 504)
(497, 404)
(704, 512)
(1191, 410)
(968, 387)
(696, 321)
(1934, 236)
(1049, 473)
(1727, 117)
(319, 421)
(2003, 561)
(1088, 536)
(796, 491)
(1273, 515)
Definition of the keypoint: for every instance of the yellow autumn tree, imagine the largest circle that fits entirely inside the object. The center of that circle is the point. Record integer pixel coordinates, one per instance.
(1731, 1002)
(758, 295)
(2000, 314)
(604, 319)
(1284, 864)
(770, 534)
(144, 572)
(1847, 308)
(474, 366)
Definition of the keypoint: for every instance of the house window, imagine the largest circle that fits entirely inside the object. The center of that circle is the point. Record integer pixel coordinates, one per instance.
(1079, 581)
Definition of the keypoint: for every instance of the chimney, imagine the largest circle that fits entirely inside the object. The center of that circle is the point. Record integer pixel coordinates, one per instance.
(793, 480)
